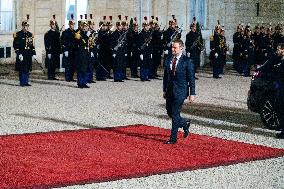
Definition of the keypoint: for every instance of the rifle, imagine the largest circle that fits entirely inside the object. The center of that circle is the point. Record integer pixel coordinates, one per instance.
(121, 40)
(197, 43)
(174, 35)
(147, 41)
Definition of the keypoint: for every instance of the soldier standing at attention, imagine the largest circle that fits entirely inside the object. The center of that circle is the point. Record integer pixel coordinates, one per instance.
(24, 47)
(133, 46)
(118, 52)
(194, 45)
(83, 54)
(145, 50)
(93, 38)
(53, 49)
(169, 35)
(69, 49)
(157, 49)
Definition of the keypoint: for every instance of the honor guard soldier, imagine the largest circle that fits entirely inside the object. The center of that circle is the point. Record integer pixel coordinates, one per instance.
(169, 36)
(118, 51)
(157, 49)
(145, 50)
(133, 46)
(218, 53)
(93, 39)
(104, 51)
(277, 36)
(126, 32)
(248, 55)
(194, 45)
(83, 54)
(237, 49)
(52, 48)
(24, 47)
(69, 49)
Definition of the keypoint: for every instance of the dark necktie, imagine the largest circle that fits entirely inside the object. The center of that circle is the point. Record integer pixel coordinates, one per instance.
(174, 61)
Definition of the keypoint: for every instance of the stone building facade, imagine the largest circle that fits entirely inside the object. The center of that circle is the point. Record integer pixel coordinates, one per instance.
(229, 12)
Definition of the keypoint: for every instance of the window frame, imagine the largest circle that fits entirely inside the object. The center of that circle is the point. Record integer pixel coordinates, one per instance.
(14, 15)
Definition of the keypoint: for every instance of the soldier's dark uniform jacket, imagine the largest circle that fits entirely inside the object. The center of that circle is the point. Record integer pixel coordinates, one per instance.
(69, 45)
(83, 53)
(169, 36)
(119, 48)
(52, 47)
(133, 38)
(23, 45)
(145, 49)
(193, 44)
(157, 44)
(105, 54)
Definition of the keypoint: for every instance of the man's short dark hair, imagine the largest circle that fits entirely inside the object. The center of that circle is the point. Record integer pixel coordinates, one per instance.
(280, 45)
(179, 41)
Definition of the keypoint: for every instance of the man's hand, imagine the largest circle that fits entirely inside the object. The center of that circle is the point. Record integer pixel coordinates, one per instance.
(191, 99)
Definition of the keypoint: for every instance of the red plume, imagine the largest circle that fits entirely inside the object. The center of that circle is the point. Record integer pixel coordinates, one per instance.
(145, 18)
(174, 17)
(81, 17)
(126, 17)
(135, 19)
(152, 17)
(72, 16)
(53, 16)
(86, 16)
(110, 18)
(119, 17)
(91, 16)
(194, 18)
(104, 18)
(28, 16)
(157, 18)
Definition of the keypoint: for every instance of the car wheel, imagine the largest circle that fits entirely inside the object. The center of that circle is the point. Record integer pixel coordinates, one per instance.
(269, 115)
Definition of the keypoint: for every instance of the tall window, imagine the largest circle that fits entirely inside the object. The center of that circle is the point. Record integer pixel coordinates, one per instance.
(7, 16)
(77, 8)
(198, 9)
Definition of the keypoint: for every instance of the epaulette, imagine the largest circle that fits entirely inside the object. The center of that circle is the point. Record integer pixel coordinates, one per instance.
(14, 35)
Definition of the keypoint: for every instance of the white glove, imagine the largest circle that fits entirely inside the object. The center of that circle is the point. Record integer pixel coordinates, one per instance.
(227, 52)
(98, 46)
(66, 53)
(49, 56)
(188, 54)
(92, 54)
(34, 57)
(21, 58)
(114, 55)
(131, 54)
(151, 56)
(88, 33)
(141, 57)
(125, 54)
(216, 55)
(166, 51)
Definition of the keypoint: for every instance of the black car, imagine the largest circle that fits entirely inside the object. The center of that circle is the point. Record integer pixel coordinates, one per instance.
(263, 96)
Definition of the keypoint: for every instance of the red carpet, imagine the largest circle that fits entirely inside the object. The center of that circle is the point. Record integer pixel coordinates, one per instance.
(56, 159)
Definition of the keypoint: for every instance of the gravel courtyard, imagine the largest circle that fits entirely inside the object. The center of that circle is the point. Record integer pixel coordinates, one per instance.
(220, 110)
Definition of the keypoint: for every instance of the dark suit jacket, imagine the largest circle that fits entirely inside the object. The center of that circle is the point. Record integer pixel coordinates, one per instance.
(177, 86)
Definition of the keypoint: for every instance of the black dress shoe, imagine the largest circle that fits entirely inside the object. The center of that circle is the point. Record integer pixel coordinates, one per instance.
(120, 81)
(196, 78)
(92, 81)
(280, 135)
(55, 78)
(171, 142)
(86, 86)
(126, 78)
(186, 130)
(28, 85)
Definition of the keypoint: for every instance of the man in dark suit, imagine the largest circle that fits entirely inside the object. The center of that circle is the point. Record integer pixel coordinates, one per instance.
(178, 78)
